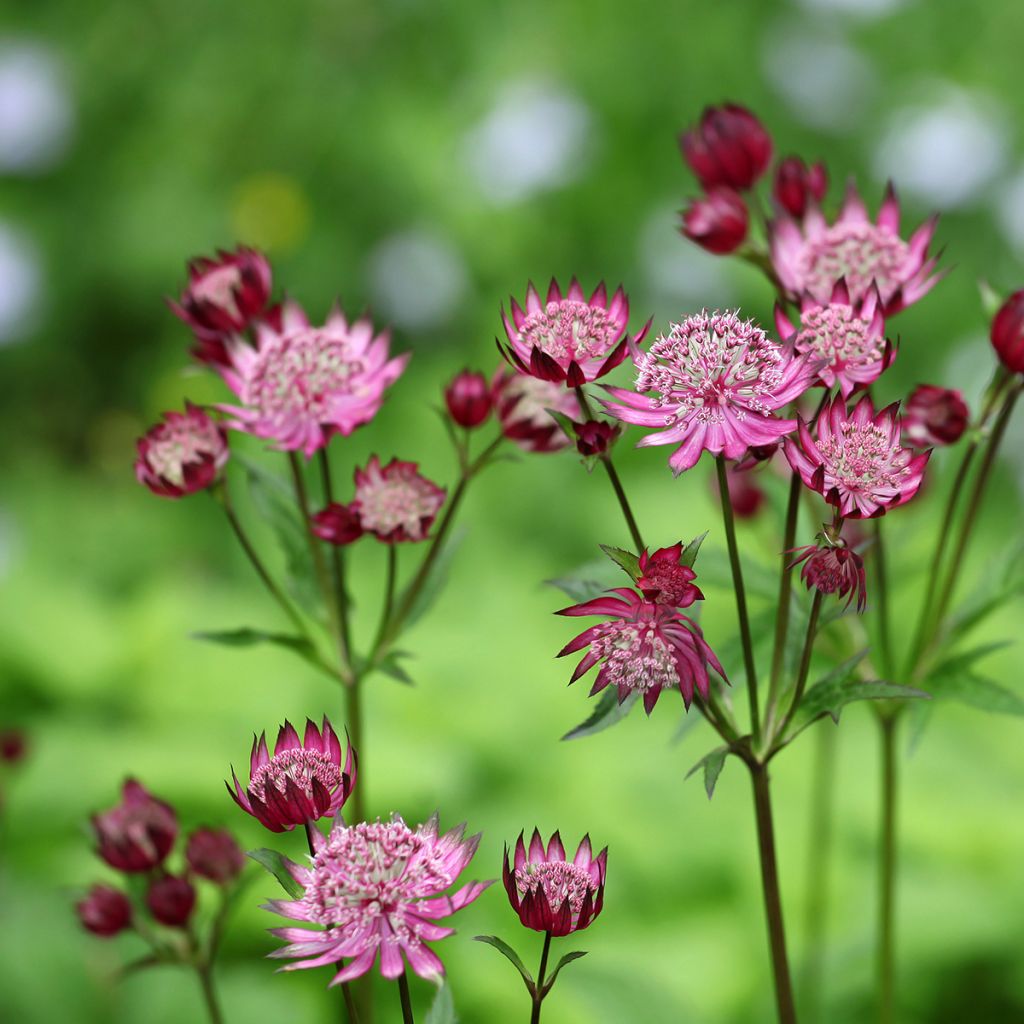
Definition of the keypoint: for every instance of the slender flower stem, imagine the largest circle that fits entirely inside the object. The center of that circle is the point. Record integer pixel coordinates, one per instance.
(805, 661)
(403, 992)
(538, 995)
(337, 556)
(884, 635)
(785, 595)
(887, 872)
(205, 972)
(389, 594)
(741, 597)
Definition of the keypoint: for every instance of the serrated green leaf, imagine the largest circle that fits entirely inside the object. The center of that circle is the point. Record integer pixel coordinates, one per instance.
(626, 560)
(712, 763)
(976, 691)
(442, 1009)
(567, 959)
(607, 713)
(511, 955)
(435, 582)
(690, 552)
(274, 862)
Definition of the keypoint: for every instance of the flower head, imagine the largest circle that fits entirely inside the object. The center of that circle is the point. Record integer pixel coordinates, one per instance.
(171, 900)
(811, 257)
(301, 384)
(523, 403)
(645, 648)
(550, 893)
(595, 437)
(717, 221)
(730, 147)
(717, 381)
(138, 833)
(1007, 332)
(377, 888)
(394, 502)
(847, 339)
(213, 853)
(567, 339)
(104, 911)
(833, 568)
(934, 417)
(182, 454)
(469, 399)
(855, 459)
(338, 524)
(304, 781)
(665, 580)
(797, 185)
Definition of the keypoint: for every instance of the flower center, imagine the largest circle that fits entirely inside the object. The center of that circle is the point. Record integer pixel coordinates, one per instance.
(861, 253)
(560, 882)
(636, 656)
(671, 580)
(217, 287)
(862, 458)
(302, 767)
(569, 330)
(837, 334)
(181, 443)
(387, 505)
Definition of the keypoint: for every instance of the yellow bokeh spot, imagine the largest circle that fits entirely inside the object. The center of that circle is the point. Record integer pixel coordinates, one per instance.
(271, 212)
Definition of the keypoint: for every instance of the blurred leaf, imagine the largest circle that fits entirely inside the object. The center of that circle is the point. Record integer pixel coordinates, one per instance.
(579, 590)
(626, 560)
(442, 1010)
(435, 581)
(690, 552)
(391, 666)
(991, 300)
(566, 959)
(687, 723)
(977, 691)
(607, 713)
(712, 763)
(245, 636)
(274, 862)
(511, 955)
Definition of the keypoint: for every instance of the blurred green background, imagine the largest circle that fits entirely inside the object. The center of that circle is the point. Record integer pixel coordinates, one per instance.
(425, 160)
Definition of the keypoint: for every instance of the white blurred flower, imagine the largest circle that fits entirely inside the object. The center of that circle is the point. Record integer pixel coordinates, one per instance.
(20, 284)
(1008, 210)
(856, 8)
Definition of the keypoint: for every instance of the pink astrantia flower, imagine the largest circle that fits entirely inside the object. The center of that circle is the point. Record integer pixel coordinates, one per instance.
(833, 569)
(646, 648)
(394, 502)
(855, 459)
(523, 402)
(304, 781)
(301, 384)
(717, 382)
(847, 338)
(664, 580)
(182, 454)
(550, 893)
(934, 417)
(377, 888)
(570, 339)
(811, 256)
(137, 834)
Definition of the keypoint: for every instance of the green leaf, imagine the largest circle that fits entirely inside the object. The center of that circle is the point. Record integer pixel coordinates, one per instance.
(977, 691)
(511, 955)
(567, 959)
(247, 637)
(434, 583)
(391, 666)
(442, 1010)
(579, 590)
(563, 421)
(608, 712)
(626, 560)
(712, 763)
(691, 550)
(276, 864)
(991, 300)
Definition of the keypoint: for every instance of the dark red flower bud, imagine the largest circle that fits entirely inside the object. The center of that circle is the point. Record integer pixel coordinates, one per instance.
(214, 854)
(717, 221)
(170, 900)
(796, 185)
(730, 147)
(595, 437)
(338, 524)
(934, 417)
(12, 745)
(664, 580)
(104, 911)
(469, 399)
(137, 834)
(1008, 332)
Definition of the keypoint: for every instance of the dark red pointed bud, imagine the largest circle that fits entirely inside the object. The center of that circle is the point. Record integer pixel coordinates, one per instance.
(338, 524)
(934, 417)
(213, 853)
(104, 911)
(796, 185)
(717, 221)
(138, 834)
(12, 745)
(171, 900)
(730, 147)
(469, 399)
(1007, 332)
(595, 437)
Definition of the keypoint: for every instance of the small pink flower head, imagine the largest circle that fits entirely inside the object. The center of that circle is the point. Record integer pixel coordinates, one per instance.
(137, 834)
(833, 569)
(171, 900)
(300, 384)
(847, 339)
(717, 221)
(304, 781)
(812, 256)
(469, 399)
(645, 648)
(523, 402)
(798, 186)
(730, 147)
(182, 454)
(12, 746)
(550, 893)
(745, 494)
(338, 524)
(595, 437)
(664, 580)
(717, 380)
(213, 853)
(934, 417)
(104, 911)
(1007, 333)
(224, 296)
(569, 340)
(377, 888)
(855, 459)
(394, 502)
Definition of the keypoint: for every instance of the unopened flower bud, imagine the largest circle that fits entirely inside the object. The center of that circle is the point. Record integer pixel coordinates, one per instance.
(213, 853)
(1007, 332)
(171, 900)
(730, 147)
(717, 221)
(469, 399)
(796, 185)
(934, 417)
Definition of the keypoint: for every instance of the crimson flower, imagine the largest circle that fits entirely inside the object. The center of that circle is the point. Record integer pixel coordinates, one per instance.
(833, 569)
(595, 437)
(138, 833)
(717, 221)
(797, 186)
(182, 454)
(664, 580)
(469, 399)
(730, 147)
(338, 524)
(104, 911)
(934, 417)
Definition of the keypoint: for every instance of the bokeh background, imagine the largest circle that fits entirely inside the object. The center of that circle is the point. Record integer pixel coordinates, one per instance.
(425, 160)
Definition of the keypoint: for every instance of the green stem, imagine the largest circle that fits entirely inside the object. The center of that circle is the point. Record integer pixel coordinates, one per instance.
(805, 661)
(741, 596)
(884, 635)
(785, 597)
(389, 595)
(538, 995)
(337, 558)
(209, 994)
(887, 873)
(403, 993)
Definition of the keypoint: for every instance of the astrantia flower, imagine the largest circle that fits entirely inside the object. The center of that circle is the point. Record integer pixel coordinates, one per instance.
(551, 894)
(664, 580)
(469, 399)
(812, 256)
(934, 417)
(523, 402)
(717, 380)
(304, 781)
(595, 437)
(224, 296)
(300, 385)
(855, 459)
(337, 524)
(833, 569)
(730, 147)
(646, 648)
(717, 221)
(104, 911)
(182, 454)
(138, 833)
(847, 339)
(377, 888)
(394, 502)
(214, 854)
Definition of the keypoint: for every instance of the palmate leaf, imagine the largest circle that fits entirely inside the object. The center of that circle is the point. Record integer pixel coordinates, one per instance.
(442, 1009)
(712, 764)
(958, 678)
(274, 862)
(607, 713)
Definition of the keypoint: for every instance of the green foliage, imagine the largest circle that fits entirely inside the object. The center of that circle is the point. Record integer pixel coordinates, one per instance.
(626, 560)
(442, 1009)
(563, 961)
(607, 713)
(276, 864)
(711, 764)
(436, 579)
(512, 956)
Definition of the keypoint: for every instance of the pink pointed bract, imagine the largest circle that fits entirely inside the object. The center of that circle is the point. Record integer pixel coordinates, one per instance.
(811, 256)
(846, 338)
(378, 890)
(644, 649)
(549, 892)
(664, 580)
(523, 402)
(182, 454)
(568, 339)
(394, 502)
(833, 569)
(717, 381)
(855, 459)
(299, 385)
(305, 779)
(137, 834)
